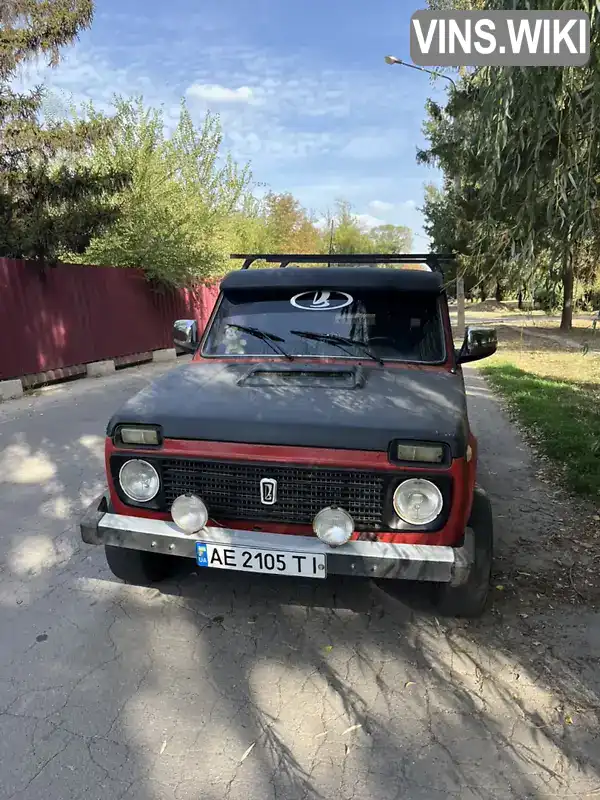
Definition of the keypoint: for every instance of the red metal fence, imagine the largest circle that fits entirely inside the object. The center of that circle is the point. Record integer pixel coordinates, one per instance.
(60, 316)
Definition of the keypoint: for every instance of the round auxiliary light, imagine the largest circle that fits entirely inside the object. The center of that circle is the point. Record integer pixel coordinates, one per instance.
(139, 480)
(418, 501)
(189, 513)
(334, 526)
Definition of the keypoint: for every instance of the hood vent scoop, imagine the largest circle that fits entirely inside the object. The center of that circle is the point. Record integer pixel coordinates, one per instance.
(326, 377)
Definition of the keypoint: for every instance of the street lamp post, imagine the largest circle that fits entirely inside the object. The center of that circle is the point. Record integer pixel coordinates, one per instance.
(460, 286)
(394, 60)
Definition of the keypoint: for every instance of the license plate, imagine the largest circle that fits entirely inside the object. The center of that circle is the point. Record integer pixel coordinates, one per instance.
(253, 559)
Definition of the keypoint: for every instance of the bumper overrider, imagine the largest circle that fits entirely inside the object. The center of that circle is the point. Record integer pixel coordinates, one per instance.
(416, 562)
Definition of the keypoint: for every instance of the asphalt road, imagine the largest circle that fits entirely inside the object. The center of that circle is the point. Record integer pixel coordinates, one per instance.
(231, 686)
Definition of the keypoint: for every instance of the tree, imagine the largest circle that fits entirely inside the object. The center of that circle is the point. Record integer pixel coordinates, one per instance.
(288, 226)
(178, 214)
(391, 239)
(539, 165)
(526, 143)
(31, 28)
(47, 203)
(344, 232)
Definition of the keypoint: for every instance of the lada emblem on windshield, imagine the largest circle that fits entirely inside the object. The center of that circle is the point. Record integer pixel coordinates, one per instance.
(321, 300)
(268, 491)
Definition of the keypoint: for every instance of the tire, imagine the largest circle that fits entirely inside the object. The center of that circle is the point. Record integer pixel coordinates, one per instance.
(138, 566)
(470, 598)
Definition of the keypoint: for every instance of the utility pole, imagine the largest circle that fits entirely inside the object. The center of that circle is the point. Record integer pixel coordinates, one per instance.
(460, 312)
(460, 287)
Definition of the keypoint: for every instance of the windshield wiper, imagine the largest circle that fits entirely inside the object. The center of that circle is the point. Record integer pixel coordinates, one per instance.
(270, 338)
(333, 338)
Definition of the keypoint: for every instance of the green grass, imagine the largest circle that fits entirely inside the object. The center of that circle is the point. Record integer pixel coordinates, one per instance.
(562, 415)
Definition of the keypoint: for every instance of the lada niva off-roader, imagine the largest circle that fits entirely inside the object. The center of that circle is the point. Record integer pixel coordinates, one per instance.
(321, 427)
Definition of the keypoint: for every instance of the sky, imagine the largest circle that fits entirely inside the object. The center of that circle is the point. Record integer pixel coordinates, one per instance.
(302, 89)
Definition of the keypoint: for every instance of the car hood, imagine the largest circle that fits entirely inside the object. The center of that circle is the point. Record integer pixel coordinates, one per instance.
(345, 407)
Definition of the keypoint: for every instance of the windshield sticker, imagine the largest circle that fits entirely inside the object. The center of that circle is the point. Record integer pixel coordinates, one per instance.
(358, 317)
(321, 300)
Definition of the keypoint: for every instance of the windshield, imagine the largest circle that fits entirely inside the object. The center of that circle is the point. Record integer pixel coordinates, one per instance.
(393, 326)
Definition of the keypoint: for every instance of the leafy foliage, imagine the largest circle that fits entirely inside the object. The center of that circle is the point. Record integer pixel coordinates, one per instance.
(391, 239)
(176, 213)
(288, 227)
(30, 27)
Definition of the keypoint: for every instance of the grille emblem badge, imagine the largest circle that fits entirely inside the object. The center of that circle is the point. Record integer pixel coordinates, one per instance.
(268, 491)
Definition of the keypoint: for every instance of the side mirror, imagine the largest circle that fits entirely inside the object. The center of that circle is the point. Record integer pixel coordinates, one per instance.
(479, 343)
(185, 335)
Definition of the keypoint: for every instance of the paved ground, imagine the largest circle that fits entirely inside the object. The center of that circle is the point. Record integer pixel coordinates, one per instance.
(242, 687)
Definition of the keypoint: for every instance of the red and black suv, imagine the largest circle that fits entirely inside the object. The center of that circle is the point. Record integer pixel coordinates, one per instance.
(321, 427)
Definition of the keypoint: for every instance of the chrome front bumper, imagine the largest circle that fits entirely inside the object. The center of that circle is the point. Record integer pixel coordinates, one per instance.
(415, 562)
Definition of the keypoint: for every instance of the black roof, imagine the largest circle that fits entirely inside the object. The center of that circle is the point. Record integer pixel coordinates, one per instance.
(341, 278)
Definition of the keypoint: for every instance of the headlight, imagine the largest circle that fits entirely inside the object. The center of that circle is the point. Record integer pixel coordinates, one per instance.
(424, 453)
(418, 501)
(138, 435)
(139, 480)
(189, 513)
(334, 526)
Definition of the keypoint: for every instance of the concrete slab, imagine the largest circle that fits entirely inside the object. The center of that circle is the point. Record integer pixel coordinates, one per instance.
(164, 355)
(11, 389)
(132, 359)
(99, 369)
(53, 375)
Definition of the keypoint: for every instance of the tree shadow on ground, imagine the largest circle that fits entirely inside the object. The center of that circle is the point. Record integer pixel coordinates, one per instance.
(343, 689)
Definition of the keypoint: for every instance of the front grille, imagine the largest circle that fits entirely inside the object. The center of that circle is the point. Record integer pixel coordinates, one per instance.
(232, 491)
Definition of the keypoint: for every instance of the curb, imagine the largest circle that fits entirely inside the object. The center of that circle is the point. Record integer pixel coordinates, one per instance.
(16, 387)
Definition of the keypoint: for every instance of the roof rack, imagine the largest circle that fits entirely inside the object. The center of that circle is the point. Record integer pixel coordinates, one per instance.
(433, 260)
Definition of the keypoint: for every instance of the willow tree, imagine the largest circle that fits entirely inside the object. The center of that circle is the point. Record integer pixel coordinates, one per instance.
(452, 212)
(533, 151)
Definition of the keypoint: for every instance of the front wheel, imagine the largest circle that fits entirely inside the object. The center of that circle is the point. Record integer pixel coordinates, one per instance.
(470, 598)
(138, 566)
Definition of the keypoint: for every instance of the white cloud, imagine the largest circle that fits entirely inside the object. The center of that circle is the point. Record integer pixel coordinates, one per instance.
(369, 221)
(255, 136)
(84, 75)
(392, 209)
(215, 93)
(380, 205)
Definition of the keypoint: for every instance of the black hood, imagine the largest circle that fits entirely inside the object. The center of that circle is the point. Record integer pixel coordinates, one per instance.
(345, 407)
